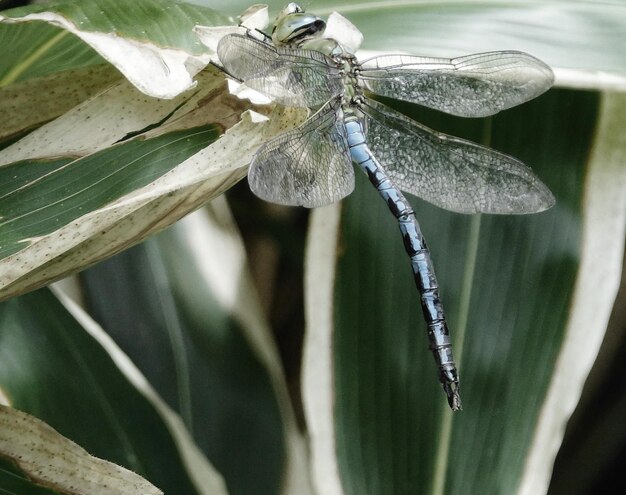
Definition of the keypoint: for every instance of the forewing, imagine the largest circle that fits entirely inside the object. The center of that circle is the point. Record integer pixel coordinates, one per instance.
(449, 172)
(291, 77)
(308, 166)
(471, 86)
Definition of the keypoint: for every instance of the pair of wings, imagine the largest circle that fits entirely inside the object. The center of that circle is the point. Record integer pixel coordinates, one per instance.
(311, 165)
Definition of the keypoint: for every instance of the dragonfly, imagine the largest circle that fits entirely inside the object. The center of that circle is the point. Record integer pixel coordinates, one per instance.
(313, 164)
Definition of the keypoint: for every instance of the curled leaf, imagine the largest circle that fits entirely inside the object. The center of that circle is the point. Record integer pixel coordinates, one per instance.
(54, 461)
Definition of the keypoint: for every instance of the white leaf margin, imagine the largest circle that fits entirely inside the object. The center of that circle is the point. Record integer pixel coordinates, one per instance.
(206, 479)
(318, 384)
(154, 70)
(226, 273)
(595, 290)
(104, 119)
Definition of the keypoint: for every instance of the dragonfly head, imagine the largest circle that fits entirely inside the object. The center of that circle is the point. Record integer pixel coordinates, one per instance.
(293, 25)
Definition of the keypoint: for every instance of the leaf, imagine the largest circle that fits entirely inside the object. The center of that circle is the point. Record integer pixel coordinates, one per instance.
(36, 101)
(59, 216)
(51, 368)
(57, 462)
(318, 379)
(517, 290)
(150, 41)
(196, 331)
(508, 286)
(38, 50)
(112, 116)
(14, 481)
(595, 291)
(33, 216)
(378, 419)
(581, 40)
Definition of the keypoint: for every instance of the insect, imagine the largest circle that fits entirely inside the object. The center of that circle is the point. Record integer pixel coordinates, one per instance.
(312, 165)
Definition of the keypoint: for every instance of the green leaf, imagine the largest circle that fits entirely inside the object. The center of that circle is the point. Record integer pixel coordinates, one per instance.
(32, 209)
(170, 22)
(14, 482)
(594, 295)
(62, 215)
(37, 50)
(51, 368)
(150, 41)
(44, 210)
(196, 331)
(528, 298)
(508, 284)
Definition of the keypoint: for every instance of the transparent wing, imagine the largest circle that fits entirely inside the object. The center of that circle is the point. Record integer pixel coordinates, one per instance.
(308, 166)
(449, 172)
(292, 77)
(471, 86)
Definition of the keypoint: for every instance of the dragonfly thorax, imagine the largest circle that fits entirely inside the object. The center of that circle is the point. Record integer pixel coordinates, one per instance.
(295, 28)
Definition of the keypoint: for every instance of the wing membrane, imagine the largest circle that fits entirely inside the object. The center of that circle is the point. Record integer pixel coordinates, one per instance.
(449, 172)
(471, 86)
(292, 77)
(308, 166)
